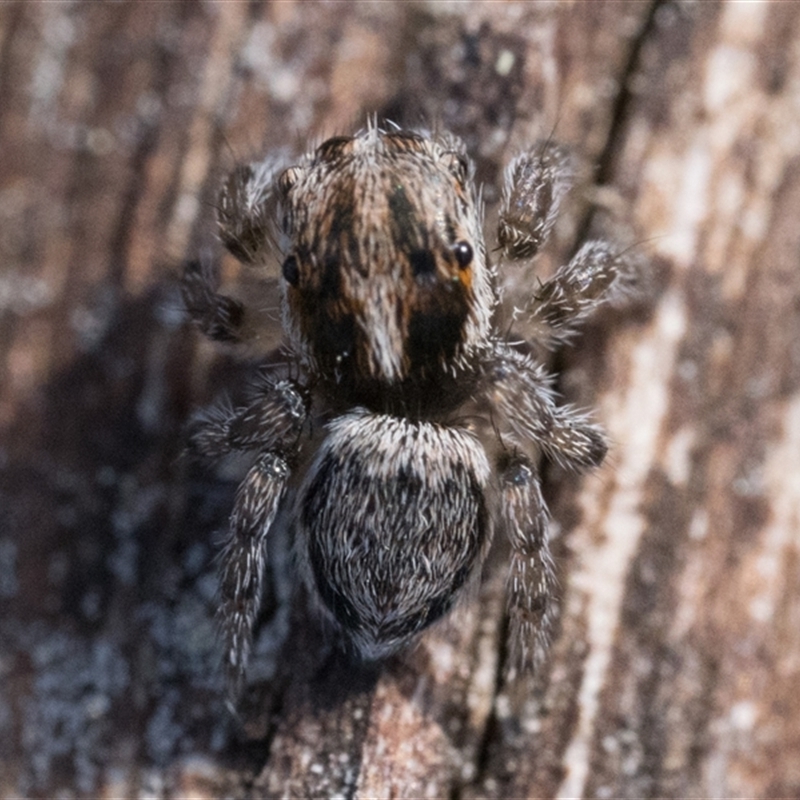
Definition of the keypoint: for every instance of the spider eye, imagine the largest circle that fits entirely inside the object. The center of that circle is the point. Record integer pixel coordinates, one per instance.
(291, 271)
(463, 253)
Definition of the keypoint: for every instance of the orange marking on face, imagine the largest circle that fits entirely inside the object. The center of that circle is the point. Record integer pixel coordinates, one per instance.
(465, 276)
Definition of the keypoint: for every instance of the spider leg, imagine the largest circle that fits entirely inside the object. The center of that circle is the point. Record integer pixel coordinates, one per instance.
(531, 579)
(595, 275)
(521, 392)
(218, 316)
(242, 561)
(246, 208)
(535, 182)
(270, 424)
(272, 420)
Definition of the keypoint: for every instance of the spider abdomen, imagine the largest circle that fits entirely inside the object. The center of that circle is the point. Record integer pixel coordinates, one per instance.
(393, 521)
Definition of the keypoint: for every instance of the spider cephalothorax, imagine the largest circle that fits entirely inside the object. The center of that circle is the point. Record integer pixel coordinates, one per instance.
(386, 280)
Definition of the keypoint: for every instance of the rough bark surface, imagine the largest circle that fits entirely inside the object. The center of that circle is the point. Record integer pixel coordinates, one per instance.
(675, 668)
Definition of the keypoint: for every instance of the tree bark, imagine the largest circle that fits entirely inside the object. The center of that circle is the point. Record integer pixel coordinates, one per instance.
(674, 668)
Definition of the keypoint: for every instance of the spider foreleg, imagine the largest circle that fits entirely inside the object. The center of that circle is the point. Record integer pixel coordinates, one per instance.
(535, 184)
(218, 316)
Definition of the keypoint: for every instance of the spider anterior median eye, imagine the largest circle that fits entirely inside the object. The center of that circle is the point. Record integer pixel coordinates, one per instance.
(463, 253)
(291, 270)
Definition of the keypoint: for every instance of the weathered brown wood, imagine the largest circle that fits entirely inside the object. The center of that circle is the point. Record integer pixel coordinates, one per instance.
(674, 669)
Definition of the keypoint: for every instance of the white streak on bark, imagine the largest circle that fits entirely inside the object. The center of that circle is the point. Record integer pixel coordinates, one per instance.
(608, 541)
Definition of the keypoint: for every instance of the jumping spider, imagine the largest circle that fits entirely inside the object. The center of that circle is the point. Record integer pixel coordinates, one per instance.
(433, 421)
